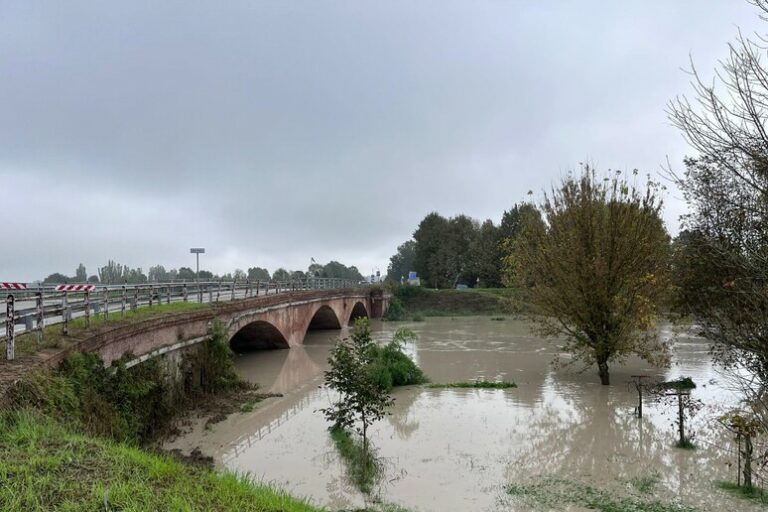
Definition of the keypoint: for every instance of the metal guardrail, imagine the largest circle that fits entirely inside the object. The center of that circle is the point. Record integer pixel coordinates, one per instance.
(34, 308)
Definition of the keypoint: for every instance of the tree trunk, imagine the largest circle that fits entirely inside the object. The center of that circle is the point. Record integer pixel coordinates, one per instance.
(602, 370)
(748, 462)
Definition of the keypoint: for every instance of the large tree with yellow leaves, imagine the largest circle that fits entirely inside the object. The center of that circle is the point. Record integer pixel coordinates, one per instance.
(596, 269)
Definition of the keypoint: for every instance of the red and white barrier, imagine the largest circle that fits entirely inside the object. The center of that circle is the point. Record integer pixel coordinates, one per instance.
(75, 287)
(13, 286)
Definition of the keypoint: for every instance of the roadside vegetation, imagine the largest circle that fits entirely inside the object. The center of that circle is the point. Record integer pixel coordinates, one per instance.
(130, 405)
(47, 465)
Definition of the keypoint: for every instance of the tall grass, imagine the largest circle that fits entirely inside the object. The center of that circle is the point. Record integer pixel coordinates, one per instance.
(46, 466)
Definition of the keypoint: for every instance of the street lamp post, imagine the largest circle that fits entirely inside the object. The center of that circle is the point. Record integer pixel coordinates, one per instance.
(197, 251)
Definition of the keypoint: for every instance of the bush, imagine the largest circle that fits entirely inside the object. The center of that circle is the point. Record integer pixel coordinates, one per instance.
(396, 311)
(392, 367)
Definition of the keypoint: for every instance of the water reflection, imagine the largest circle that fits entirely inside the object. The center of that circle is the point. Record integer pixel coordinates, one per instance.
(455, 449)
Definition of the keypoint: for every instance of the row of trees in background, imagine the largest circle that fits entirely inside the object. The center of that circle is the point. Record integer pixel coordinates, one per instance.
(459, 250)
(116, 273)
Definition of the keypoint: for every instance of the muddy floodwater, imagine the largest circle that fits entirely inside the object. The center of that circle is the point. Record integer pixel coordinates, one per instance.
(457, 449)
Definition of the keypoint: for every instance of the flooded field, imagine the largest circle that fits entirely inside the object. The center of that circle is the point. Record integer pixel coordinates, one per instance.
(457, 449)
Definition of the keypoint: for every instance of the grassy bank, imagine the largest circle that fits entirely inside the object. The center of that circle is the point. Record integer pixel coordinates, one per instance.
(46, 466)
(411, 302)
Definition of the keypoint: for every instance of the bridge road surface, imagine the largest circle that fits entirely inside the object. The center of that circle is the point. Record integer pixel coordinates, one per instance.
(115, 305)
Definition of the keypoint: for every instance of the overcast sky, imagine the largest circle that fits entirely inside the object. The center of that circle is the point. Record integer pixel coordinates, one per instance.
(272, 132)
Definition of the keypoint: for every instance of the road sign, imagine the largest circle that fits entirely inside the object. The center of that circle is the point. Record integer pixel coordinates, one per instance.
(197, 250)
(75, 287)
(13, 286)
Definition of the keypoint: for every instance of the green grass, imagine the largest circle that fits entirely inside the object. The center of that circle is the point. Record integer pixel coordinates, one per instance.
(53, 336)
(553, 492)
(44, 466)
(685, 445)
(754, 494)
(411, 302)
(645, 484)
(476, 384)
(363, 469)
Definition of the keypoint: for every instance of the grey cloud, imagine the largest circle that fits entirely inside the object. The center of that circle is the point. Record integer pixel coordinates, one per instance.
(272, 132)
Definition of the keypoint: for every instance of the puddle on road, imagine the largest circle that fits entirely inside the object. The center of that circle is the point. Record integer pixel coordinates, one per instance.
(455, 450)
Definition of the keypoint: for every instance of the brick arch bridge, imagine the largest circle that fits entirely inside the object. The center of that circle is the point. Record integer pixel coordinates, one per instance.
(274, 321)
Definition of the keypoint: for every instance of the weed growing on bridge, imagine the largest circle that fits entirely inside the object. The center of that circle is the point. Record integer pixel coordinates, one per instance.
(131, 405)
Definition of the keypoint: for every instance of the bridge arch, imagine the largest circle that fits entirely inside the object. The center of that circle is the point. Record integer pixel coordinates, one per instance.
(358, 311)
(324, 318)
(258, 335)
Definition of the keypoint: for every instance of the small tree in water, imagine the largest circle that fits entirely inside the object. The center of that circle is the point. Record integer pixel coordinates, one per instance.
(595, 269)
(362, 400)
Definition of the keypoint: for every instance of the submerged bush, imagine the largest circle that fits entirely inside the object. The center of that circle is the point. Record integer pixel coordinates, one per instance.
(392, 367)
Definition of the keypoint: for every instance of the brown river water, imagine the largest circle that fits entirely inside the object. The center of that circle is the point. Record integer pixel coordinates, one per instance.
(456, 449)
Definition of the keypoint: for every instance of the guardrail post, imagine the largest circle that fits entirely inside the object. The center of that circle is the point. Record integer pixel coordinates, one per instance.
(135, 304)
(10, 318)
(151, 295)
(106, 304)
(87, 310)
(123, 300)
(210, 293)
(258, 285)
(168, 294)
(199, 293)
(64, 314)
(234, 285)
(218, 291)
(184, 292)
(40, 318)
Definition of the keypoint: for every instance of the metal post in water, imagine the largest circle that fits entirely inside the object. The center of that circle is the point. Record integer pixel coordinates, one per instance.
(10, 318)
